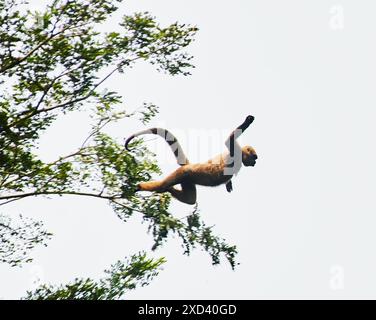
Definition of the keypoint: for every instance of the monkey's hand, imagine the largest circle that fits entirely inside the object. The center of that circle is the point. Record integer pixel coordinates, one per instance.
(249, 119)
(229, 186)
(247, 122)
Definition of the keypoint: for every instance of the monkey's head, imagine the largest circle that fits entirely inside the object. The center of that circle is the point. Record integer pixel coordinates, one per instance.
(249, 156)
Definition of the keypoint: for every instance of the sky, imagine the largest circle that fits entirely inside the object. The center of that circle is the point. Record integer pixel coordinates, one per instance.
(303, 218)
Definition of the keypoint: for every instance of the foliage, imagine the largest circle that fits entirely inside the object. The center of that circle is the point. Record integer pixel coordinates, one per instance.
(18, 236)
(57, 61)
(121, 278)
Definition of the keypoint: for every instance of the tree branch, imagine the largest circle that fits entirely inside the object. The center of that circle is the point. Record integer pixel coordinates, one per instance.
(41, 44)
(44, 193)
(67, 103)
(12, 198)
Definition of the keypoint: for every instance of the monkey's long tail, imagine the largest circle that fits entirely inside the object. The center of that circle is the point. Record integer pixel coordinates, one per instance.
(169, 138)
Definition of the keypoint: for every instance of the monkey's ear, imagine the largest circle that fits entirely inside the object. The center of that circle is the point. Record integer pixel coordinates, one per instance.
(229, 186)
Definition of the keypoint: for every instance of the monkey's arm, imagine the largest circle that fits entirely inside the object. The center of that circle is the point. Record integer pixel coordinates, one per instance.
(229, 186)
(231, 142)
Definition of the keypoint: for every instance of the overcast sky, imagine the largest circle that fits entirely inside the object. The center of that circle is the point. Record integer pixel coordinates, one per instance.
(304, 217)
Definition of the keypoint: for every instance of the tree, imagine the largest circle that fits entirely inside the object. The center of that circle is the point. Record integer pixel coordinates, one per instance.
(55, 62)
(122, 277)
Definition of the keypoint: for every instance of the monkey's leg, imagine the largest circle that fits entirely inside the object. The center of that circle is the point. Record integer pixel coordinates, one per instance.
(161, 186)
(187, 194)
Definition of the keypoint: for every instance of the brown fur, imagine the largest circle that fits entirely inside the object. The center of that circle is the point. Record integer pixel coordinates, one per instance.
(211, 173)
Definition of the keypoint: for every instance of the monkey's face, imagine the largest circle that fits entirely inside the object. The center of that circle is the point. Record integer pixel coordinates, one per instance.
(249, 156)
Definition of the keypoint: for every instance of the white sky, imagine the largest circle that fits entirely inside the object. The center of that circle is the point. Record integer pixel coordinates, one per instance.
(304, 217)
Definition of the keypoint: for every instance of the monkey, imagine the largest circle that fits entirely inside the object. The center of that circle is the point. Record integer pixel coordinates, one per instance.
(216, 171)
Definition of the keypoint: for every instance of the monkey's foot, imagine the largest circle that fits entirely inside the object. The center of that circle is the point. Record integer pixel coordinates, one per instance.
(151, 186)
